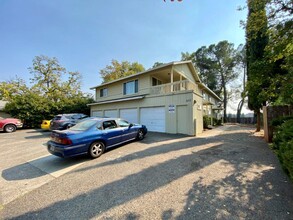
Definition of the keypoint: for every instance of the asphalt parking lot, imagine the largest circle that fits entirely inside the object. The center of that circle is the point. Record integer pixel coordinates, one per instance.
(226, 173)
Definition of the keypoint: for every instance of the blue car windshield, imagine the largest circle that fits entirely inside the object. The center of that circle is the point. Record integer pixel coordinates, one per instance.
(83, 125)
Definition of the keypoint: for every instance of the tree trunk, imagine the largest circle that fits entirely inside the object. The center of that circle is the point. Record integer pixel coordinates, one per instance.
(258, 121)
(225, 104)
(239, 108)
(241, 103)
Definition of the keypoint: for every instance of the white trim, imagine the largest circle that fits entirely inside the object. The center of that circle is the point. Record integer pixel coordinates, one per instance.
(116, 100)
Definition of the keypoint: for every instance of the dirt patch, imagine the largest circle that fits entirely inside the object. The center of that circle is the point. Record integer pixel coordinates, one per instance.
(259, 133)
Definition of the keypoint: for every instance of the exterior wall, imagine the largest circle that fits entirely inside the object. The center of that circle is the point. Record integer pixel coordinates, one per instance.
(115, 90)
(182, 99)
(198, 113)
(167, 101)
(185, 71)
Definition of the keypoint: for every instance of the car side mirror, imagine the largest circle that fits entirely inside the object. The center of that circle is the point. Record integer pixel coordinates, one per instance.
(130, 125)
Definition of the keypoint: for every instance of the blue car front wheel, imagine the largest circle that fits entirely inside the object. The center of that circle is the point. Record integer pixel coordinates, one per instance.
(96, 149)
(140, 135)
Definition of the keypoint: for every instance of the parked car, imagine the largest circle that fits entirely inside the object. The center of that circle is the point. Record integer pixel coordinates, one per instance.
(93, 136)
(46, 124)
(65, 121)
(10, 124)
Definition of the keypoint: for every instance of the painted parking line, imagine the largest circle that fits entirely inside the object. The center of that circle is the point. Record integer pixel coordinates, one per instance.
(56, 166)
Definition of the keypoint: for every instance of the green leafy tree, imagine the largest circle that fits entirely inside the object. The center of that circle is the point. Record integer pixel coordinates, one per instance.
(50, 94)
(242, 64)
(203, 62)
(280, 48)
(217, 67)
(157, 64)
(225, 58)
(48, 79)
(12, 88)
(257, 65)
(118, 70)
(269, 53)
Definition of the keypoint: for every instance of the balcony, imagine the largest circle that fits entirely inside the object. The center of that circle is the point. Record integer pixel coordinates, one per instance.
(172, 87)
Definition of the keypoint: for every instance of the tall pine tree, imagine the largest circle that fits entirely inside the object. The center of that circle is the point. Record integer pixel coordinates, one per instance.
(258, 68)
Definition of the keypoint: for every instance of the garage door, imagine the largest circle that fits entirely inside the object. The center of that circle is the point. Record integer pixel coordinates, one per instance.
(111, 113)
(153, 118)
(97, 113)
(129, 114)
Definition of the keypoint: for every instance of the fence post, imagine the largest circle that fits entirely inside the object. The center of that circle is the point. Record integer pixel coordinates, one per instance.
(266, 127)
(271, 112)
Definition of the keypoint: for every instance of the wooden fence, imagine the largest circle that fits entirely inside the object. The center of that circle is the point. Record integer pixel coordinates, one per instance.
(270, 113)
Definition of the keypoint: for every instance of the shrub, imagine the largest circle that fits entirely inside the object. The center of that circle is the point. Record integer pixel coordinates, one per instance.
(206, 121)
(280, 120)
(217, 122)
(283, 144)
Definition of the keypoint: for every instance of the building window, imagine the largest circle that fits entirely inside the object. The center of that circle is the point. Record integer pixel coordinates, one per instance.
(130, 87)
(156, 82)
(103, 92)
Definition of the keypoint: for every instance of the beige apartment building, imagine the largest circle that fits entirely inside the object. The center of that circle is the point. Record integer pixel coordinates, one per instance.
(170, 98)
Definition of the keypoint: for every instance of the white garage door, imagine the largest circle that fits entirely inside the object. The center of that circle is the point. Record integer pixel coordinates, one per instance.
(129, 114)
(153, 118)
(97, 113)
(111, 113)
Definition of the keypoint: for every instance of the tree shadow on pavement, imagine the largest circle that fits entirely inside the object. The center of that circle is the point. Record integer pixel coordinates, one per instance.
(250, 186)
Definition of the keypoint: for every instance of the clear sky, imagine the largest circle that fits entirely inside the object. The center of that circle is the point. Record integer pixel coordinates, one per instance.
(85, 35)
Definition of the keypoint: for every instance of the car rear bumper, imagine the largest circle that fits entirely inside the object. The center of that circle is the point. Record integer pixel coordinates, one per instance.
(45, 127)
(65, 151)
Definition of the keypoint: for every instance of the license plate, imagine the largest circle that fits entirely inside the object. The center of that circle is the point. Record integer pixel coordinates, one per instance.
(52, 148)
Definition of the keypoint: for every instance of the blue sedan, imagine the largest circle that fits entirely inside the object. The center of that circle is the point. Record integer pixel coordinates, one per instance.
(93, 136)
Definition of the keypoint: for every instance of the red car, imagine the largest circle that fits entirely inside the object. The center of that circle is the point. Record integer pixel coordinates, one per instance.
(10, 124)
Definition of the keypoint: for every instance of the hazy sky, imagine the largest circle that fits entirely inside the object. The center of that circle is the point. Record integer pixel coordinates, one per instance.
(85, 35)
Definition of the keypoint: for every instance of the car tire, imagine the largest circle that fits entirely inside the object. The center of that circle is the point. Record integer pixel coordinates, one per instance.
(140, 135)
(96, 149)
(9, 128)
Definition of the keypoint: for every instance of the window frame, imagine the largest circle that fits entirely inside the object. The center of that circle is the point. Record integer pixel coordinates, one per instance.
(135, 87)
(104, 92)
(109, 128)
(122, 120)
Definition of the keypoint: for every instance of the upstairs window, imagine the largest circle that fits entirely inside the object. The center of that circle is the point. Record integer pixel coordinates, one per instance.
(130, 87)
(103, 92)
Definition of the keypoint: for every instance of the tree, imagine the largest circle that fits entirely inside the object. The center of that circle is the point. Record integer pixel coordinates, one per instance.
(269, 53)
(12, 88)
(205, 65)
(50, 94)
(118, 70)
(280, 48)
(257, 65)
(242, 63)
(217, 67)
(225, 59)
(48, 77)
(157, 64)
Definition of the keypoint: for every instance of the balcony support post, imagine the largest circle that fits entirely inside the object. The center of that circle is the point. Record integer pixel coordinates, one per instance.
(172, 80)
